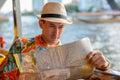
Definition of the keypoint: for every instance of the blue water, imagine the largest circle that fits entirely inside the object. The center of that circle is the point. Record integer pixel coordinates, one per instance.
(104, 36)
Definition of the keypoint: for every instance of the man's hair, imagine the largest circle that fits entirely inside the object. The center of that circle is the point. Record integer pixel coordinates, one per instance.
(42, 21)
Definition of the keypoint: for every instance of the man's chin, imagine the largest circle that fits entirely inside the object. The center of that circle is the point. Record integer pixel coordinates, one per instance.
(54, 41)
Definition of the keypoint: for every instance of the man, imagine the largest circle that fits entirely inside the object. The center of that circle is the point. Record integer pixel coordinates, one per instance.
(52, 22)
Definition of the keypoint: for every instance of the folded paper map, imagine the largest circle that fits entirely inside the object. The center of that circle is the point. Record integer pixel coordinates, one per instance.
(68, 59)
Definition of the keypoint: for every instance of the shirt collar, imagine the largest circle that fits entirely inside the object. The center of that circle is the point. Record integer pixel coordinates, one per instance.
(41, 42)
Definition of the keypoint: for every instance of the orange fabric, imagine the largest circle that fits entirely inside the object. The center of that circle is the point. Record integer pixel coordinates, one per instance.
(12, 75)
(37, 42)
(2, 42)
(28, 44)
(24, 40)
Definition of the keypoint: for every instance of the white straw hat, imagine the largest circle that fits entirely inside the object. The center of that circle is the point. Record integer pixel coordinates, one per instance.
(54, 12)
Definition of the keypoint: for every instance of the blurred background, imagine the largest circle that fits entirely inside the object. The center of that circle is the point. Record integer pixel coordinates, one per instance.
(103, 30)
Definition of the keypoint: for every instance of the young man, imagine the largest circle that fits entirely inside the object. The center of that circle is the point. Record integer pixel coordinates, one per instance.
(52, 22)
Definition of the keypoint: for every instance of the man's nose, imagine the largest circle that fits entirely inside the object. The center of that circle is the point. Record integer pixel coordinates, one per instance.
(56, 30)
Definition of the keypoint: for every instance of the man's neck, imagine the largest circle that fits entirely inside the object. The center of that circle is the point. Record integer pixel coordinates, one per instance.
(51, 45)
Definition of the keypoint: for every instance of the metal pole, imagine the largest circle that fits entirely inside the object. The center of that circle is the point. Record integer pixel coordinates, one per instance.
(17, 19)
(17, 31)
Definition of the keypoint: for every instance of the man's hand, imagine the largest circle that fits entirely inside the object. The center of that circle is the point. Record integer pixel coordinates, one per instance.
(97, 59)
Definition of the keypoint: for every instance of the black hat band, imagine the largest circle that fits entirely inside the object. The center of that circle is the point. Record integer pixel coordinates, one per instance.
(53, 16)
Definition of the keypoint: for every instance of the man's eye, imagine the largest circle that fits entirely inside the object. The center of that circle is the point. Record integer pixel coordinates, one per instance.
(51, 26)
(61, 27)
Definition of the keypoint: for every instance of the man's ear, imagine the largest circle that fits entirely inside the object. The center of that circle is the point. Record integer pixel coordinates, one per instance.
(40, 23)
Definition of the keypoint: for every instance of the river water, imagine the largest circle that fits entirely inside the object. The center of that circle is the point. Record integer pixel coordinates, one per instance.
(104, 36)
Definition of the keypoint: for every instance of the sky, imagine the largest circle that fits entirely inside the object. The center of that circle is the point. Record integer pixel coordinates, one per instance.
(24, 5)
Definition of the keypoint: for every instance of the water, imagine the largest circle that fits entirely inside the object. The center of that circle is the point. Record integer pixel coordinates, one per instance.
(105, 36)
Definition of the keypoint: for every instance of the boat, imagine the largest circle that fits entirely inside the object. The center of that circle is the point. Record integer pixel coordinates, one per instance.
(100, 20)
(98, 17)
(3, 19)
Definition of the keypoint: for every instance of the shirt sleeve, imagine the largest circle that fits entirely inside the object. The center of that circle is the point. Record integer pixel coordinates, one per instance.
(16, 48)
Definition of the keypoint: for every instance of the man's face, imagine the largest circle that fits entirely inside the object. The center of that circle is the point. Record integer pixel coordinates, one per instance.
(51, 31)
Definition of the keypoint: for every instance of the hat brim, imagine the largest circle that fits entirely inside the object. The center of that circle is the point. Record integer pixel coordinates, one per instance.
(55, 20)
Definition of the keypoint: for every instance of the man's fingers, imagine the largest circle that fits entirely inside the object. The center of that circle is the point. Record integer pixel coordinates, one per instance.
(89, 56)
(92, 54)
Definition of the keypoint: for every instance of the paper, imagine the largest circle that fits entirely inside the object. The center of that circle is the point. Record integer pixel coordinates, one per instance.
(56, 74)
(70, 56)
(29, 67)
(28, 64)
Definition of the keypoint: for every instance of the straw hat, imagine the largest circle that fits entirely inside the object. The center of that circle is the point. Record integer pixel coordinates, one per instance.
(54, 12)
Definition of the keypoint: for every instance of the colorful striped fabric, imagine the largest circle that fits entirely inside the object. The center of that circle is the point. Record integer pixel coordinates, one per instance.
(21, 46)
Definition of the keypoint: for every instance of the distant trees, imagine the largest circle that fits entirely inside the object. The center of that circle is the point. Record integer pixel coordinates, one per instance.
(113, 4)
(75, 7)
(72, 8)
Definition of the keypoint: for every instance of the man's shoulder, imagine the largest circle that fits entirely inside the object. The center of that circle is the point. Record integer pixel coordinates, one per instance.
(22, 42)
(25, 40)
